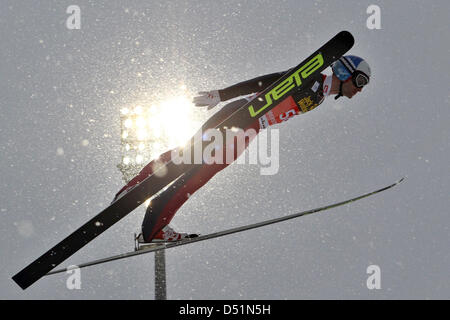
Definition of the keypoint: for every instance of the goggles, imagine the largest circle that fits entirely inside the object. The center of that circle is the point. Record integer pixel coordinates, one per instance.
(359, 79)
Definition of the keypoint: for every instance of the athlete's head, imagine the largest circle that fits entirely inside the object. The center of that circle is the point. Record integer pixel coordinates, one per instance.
(349, 89)
(353, 74)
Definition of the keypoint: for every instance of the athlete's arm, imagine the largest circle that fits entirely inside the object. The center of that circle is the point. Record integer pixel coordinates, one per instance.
(250, 86)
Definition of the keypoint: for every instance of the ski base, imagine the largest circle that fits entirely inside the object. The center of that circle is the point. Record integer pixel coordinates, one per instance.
(153, 247)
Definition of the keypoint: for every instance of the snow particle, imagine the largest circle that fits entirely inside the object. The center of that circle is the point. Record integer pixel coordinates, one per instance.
(25, 228)
(159, 169)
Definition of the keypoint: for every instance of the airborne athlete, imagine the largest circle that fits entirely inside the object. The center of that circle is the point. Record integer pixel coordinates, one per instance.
(179, 177)
(350, 75)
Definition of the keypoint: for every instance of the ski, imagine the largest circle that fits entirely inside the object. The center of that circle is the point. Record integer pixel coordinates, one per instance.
(147, 248)
(300, 76)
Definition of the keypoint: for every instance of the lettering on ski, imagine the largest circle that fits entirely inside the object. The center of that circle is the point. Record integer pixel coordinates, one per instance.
(290, 83)
(330, 52)
(162, 246)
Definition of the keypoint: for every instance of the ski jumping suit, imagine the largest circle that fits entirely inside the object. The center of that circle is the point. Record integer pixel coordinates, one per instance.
(165, 204)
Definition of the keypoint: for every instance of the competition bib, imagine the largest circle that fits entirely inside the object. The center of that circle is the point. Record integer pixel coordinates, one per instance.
(283, 112)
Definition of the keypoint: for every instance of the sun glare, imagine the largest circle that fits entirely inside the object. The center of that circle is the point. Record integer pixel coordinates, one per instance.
(176, 119)
(158, 127)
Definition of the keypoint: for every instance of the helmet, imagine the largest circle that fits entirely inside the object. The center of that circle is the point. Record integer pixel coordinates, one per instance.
(352, 66)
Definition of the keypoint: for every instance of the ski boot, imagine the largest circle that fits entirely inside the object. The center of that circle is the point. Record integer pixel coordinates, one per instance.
(165, 235)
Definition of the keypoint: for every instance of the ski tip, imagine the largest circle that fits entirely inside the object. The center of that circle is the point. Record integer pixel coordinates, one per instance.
(346, 36)
(20, 281)
(400, 181)
(346, 33)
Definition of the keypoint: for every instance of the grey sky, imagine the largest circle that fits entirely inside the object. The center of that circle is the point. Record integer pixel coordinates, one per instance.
(60, 87)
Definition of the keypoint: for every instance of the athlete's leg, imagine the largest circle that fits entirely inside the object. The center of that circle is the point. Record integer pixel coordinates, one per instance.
(147, 171)
(163, 207)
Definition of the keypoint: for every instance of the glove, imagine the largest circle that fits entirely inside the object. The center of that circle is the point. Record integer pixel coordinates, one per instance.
(208, 99)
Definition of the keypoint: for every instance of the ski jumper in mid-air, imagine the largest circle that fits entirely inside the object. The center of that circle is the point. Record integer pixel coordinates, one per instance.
(350, 75)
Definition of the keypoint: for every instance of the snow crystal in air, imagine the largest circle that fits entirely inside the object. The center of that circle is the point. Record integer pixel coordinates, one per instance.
(159, 169)
(60, 151)
(85, 142)
(24, 228)
(338, 106)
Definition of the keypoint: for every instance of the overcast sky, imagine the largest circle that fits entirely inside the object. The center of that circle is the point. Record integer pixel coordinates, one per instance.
(61, 91)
